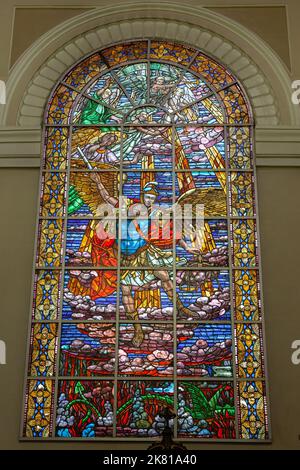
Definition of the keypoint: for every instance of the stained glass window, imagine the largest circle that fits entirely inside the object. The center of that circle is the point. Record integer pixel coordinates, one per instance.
(136, 306)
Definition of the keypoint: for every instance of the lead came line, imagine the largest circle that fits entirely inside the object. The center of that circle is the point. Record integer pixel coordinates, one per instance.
(64, 268)
(231, 279)
(63, 262)
(174, 287)
(117, 326)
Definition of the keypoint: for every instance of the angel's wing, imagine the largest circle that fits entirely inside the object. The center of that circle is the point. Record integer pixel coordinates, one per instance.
(212, 199)
(83, 136)
(116, 92)
(87, 188)
(131, 80)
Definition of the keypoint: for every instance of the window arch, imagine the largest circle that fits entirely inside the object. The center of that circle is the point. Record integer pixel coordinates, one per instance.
(136, 308)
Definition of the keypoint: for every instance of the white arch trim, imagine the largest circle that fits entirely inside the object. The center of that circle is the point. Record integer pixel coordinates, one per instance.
(261, 72)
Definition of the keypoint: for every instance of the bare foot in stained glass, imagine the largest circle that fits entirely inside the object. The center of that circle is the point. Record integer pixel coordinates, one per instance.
(184, 312)
(138, 335)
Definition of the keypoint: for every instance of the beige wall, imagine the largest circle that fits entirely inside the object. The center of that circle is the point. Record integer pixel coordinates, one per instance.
(279, 193)
(254, 18)
(33, 22)
(279, 196)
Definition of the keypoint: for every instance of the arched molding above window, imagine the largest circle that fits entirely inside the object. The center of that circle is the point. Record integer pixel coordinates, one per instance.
(263, 75)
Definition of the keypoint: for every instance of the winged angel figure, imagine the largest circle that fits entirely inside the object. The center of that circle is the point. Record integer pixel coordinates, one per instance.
(138, 249)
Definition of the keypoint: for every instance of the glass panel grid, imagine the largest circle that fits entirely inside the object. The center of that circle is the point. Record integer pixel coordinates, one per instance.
(112, 351)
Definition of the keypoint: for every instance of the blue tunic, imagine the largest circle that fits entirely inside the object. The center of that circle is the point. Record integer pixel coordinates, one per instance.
(131, 239)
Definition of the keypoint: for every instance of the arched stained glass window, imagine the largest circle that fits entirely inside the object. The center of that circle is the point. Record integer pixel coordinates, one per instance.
(139, 302)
